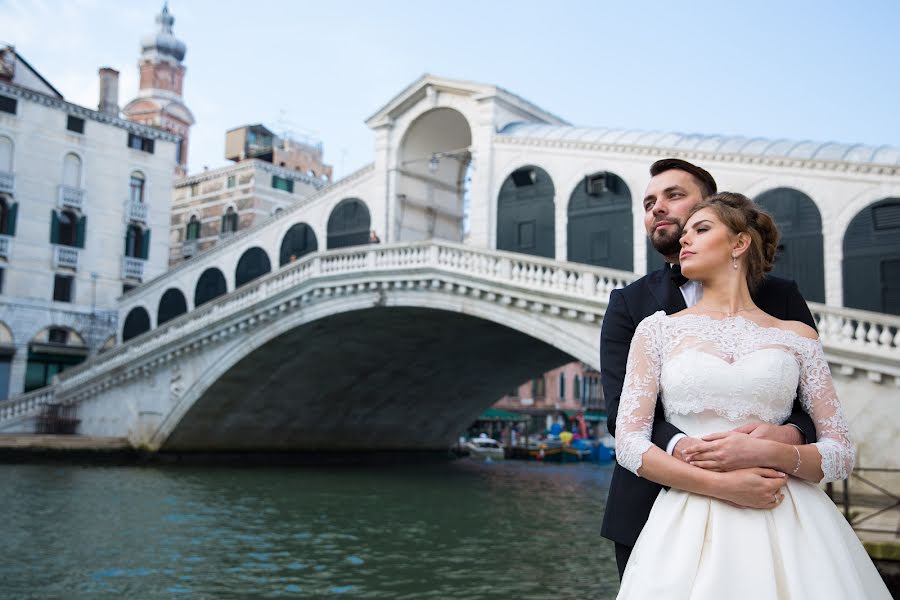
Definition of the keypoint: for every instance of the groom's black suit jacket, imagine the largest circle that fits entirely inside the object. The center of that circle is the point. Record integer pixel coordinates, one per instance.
(631, 497)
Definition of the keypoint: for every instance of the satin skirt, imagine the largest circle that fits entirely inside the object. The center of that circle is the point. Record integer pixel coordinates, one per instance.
(701, 548)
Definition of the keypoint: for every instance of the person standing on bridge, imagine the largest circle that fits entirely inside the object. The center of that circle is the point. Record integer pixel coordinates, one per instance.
(675, 187)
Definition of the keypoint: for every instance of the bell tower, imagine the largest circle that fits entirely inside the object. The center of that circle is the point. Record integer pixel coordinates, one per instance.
(159, 101)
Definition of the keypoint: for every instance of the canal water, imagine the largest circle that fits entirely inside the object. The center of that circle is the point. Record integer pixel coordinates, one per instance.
(461, 529)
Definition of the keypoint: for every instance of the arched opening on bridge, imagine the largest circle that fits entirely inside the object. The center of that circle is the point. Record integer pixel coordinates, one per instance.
(210, 285)
(379, 378)
(872, 258)
(253, 263)
(136, 323)
(801, 254)
(432, 177)
(52, 351)
(600, 228)
(349, 224)
(171, 305)
(299, 240)
(525, 213)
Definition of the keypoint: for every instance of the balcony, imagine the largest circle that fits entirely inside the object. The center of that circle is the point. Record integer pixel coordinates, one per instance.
(5, 242)
(133, 268)
(136, 211)
(70, 197)
(65, 256)
(7, 183)
(189, 248)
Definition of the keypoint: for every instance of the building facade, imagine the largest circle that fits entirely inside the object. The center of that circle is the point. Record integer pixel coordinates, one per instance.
(214, 205)
(85, 198)
(557, 395)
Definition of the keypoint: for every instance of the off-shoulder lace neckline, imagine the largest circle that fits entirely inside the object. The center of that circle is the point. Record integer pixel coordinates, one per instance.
(739, 318)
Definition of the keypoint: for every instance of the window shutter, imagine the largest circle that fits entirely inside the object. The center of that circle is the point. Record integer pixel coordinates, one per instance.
(54, 227)
(79, 231)
(11, 219)
(224, 225)
(145, 251)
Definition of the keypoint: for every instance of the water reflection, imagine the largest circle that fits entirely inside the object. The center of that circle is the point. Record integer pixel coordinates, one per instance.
(513, 530)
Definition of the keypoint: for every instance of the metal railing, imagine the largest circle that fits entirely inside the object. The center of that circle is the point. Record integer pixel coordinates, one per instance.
(70, 197)
(5, 243)
(881, 501)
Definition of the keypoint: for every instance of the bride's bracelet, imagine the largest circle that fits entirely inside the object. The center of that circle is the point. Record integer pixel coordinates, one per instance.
(797, 468)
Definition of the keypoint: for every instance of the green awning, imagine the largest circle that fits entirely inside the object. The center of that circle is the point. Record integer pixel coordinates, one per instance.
(595, 416)
(496, 414)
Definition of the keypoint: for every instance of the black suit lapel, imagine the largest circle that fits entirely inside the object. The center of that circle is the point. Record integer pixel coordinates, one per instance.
(664, 291)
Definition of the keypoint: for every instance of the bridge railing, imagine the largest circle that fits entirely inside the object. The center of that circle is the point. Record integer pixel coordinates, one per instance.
(844, 331)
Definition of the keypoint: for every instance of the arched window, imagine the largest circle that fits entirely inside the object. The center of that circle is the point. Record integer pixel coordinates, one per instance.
(72, 170)
(67, 228)
(137, 242)
(525, 213)
(210, 285)
(600, 222)
(562, 386)
(171, 305)
(136, 323)
(349, 224)
(136, 186)
(253, 263)
(229, 221)
(298, 241)
(193, 228)
(801, 254)
(872, 258)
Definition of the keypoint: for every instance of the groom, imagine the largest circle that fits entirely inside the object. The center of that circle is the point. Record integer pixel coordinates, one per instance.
(675, 187)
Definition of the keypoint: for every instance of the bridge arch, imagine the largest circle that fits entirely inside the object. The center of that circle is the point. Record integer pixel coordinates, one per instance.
(171, 305)
(254, 262)
(294, 348)
(526, 213)
(349, 224)
(136, 322)
(210, 285)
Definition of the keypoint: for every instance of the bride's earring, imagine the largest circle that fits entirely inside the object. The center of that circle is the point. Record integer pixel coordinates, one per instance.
(734, 261)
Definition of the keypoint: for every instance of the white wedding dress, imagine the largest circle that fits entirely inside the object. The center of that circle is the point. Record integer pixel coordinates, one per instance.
(714, 375)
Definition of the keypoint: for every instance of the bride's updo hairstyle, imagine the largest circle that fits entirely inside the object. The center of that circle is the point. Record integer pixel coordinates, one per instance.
(742, 215)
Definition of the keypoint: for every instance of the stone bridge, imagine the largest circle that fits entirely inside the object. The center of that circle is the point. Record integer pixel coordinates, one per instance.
(395, 346)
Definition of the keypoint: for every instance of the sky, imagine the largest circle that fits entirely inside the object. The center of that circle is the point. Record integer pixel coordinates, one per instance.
(822, 70)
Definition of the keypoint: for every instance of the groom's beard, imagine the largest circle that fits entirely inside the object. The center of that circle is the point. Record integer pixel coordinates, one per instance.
(667, 243)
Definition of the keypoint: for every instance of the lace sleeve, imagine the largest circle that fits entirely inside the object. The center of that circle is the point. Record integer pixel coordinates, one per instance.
(637, 404)
(821, 402)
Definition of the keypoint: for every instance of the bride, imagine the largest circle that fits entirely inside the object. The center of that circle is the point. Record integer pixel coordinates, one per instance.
(716, 366)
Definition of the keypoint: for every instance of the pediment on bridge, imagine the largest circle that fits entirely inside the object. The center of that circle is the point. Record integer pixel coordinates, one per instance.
(428, 85)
